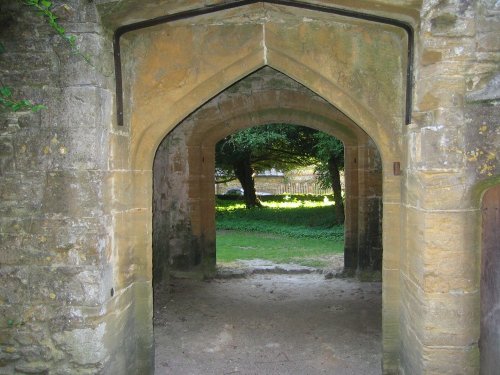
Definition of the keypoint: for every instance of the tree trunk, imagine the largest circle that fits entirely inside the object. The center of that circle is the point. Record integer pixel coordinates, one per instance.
(244, 172)
(333, 169)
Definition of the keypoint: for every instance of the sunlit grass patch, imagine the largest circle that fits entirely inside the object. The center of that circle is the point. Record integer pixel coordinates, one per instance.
(240, 245)
(288, 229)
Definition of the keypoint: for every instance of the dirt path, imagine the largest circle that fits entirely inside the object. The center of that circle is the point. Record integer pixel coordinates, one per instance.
(267, 324)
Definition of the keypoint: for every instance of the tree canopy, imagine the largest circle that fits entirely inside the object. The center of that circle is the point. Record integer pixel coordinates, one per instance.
(281, 146)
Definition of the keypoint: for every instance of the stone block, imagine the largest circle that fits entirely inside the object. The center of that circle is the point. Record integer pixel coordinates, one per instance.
(83, 13)
(33, 149)
(76, 71)
(445, 91)
(71, 285)
(404, 263)
(450, 258)
(144, 338)
(15, 285)
(119, 151)
(412, 310)
(488, 42)
(83, 107)
(131, 325)
(430, 56)
(35, 353)
(44, 67)
(450, 319)
(371, 183)
(440, 148)
(414, 245)
(70, 242)
(390, 313)
(85, 345)
(209, 110)
(74, 194)
(482, 135)
(132, 250)
(451, 360)
(80, 148)
(128, 189)
(410, 353)
(13, 225)
(438, 190)
(56, 246)
(33, 368)
(391, 187)
(452, 25)
(6, 155)
(23, 42)
(391, 233)
(441, 252)
(281, 41)
(12, 251)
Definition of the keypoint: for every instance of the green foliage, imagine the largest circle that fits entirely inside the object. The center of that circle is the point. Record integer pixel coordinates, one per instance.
(293, 217)
(7, 101)
(43, 7)
(326, 149)
(13, 323)
(280, 146)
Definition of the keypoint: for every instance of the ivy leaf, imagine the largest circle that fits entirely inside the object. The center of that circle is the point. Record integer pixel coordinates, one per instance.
(46, 4)
(71, 39)
(5, 91)
(25, 103)
(38, 107)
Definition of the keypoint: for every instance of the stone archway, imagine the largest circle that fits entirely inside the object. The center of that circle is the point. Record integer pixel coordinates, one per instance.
(173, 69)
(183, 172)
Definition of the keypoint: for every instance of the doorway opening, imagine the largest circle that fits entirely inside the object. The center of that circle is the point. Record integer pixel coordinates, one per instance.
(280, 200)
(184, 194)
(184, 249)
(180, 73)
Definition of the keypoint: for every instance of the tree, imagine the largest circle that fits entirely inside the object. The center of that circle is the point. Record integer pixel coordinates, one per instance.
(243, 154)
(330, 154)
(284, 147)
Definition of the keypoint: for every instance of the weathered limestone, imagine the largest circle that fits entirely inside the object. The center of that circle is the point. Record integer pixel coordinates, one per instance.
(446, 160)
(156, 101)
(60, 294)
(76, 191)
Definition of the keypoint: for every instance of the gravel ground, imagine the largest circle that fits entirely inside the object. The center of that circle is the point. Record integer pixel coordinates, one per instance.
(268, 323)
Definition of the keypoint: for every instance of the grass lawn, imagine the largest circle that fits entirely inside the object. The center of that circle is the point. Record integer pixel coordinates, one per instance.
(297, 229)
(233, 245)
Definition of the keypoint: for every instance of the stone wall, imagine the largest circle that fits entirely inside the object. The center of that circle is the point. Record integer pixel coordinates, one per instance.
(175, 247)
(449, 159)
(56, 261)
